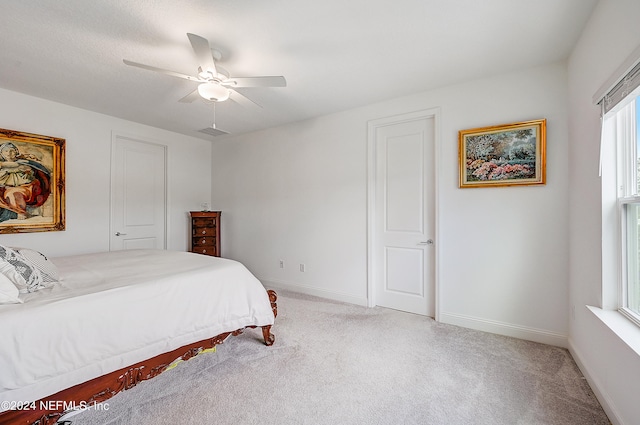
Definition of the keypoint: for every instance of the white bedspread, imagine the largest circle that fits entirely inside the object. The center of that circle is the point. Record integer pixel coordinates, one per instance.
(114, 309)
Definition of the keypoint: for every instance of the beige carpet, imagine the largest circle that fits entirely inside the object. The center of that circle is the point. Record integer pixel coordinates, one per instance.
(336, 363)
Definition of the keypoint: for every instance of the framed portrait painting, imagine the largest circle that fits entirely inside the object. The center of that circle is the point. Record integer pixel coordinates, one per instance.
(504, 155)
(31, 182)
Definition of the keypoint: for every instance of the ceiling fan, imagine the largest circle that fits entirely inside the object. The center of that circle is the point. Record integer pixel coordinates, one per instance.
(215, 84)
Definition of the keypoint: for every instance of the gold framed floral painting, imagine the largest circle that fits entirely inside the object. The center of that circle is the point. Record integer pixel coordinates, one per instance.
(31, 182)
(503, 155)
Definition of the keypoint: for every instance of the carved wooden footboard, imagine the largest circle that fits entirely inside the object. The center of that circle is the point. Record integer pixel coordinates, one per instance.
(48, 410)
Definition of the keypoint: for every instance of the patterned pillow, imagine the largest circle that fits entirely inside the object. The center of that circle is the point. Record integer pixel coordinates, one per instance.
(48, 270)
(30, 278)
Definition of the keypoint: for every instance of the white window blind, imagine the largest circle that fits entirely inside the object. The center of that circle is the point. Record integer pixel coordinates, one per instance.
(624, 81)
(626, 86)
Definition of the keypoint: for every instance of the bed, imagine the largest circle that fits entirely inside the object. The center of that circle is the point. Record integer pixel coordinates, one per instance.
(109, 320)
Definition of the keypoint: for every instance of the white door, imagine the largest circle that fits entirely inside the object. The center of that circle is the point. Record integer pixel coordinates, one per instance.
(138, 194)
(402, 216)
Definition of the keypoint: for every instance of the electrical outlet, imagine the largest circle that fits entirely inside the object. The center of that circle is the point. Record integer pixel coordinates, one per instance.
(302, 267)
(282, 264)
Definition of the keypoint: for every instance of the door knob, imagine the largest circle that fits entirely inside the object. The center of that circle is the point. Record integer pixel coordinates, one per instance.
(427, 242)
(120, 234)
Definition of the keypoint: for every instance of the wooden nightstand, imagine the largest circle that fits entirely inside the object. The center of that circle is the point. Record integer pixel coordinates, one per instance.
(205, 232)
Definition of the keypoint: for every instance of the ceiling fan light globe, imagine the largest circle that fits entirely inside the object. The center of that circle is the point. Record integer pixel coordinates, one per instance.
(213, 92)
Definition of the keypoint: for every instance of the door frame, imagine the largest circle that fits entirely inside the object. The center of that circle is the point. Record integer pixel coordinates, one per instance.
(138, 139)
(372, 127)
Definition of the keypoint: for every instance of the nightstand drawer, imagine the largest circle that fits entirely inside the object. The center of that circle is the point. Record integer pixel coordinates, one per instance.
(207, 250)
(204, 222)
(199, 241)
(203, 231)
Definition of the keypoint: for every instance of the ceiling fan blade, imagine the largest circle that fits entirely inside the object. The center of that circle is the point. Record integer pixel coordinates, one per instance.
(242, 99)
(191, 97)
(163, 71)
(256, 82)
(203, 53)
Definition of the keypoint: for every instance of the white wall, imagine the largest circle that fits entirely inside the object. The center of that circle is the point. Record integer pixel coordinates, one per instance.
(298, 193)
(88, 156)
(613, 368)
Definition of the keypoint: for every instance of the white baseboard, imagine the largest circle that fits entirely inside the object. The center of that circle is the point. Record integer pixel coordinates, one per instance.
(595, 385)
(507, 329)
(310, 290)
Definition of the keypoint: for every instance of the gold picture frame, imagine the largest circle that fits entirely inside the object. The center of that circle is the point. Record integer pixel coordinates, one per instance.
(503, 155)
(32, 182)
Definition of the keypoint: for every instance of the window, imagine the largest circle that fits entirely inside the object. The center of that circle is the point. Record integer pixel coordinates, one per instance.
(619, 99)
(622, 125)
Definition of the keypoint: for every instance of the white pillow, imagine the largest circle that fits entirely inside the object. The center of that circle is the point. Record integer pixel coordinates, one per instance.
(8, 291)
(9, 271)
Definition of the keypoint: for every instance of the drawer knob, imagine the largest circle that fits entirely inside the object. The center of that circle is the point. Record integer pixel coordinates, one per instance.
(204, 232)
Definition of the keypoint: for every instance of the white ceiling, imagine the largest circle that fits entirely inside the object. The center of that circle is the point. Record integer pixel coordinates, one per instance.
(335, 54)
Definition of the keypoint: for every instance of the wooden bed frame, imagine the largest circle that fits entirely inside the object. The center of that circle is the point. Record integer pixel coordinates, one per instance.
(49, 410)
